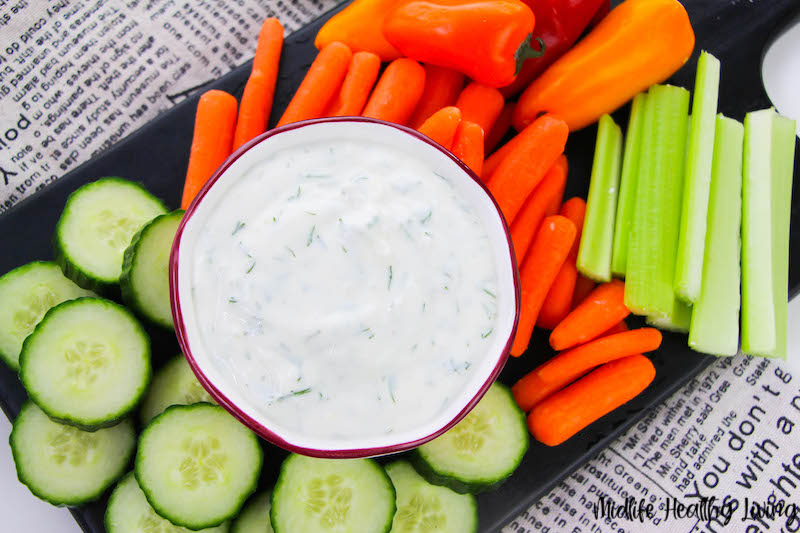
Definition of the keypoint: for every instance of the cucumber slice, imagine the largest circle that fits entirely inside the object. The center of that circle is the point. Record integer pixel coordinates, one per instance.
(87, 363)
(426, 508)
(254, 518)
(332, 495)
(144, 281)
(27, 292)
(174, 384)
(129, 512)
(63, 464)
(197, 465)
(96, 227)
(482, 450)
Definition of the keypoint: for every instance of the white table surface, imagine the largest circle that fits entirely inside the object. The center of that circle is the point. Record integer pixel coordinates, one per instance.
(23, 513)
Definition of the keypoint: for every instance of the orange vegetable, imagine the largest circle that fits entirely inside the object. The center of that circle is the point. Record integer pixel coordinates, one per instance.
(537, 207)
(397, 92)
(480, 104)
(639, 43)
(568, 366)
(569, 410)
(617, 328)
(442, 125)
(500, 128)
(547, 254)
(357, 83)
(603, 308)
(558, 302)
(212, 142)
(468, 145)
(360, 27)
(322, 82)
(442, 86)
(524, 167)
(256, 103)
(494, 160)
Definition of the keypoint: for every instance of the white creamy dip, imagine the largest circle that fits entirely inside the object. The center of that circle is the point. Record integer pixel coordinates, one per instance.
(347, 290)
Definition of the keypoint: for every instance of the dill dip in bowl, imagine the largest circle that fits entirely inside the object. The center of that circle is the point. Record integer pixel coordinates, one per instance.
(344, 287)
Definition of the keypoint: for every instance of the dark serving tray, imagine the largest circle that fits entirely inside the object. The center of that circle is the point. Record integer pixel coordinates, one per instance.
(734, 31)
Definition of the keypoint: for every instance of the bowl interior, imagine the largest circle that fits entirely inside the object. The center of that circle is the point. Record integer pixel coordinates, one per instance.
(220, 383)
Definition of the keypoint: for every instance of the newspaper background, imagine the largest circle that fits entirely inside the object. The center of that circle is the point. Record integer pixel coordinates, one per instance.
(76, 78)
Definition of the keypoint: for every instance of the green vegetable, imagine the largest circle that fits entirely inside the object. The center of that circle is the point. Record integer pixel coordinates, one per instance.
(626, 205)
(715, 318)
(689, 267)
(594, 254)
(654, 236)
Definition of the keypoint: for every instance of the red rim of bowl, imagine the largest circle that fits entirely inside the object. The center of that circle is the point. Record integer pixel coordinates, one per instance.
(257, 426)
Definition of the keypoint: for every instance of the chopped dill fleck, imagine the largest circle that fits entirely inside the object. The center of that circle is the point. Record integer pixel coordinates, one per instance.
(310, 213)
(274, 219)
(427, 217)
(239, 226)
(297, 195)
(364, 330)
(371, 336)
(484, 335)
(446, 288)
(414, 348)
(436, 173)
(317, 176)
(340, 219)
(427, 233)
(311, 235)
(390, 278)
(490, 293)
(291, 251)
(252, 265)
(308, 338)
(299, 392)
(424, 305)
(343, 248)
(232, 300)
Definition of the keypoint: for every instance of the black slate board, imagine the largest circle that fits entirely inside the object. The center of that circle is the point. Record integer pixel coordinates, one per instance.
(735, 31)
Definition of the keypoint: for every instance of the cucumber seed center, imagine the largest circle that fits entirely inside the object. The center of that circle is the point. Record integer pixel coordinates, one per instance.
(115, 230)
(195, 393)
(33, 307)
(204, 462)
(71, 445)
(468, 434)
(420, 513)
(150, 522)
(329, 499)
(85, 361)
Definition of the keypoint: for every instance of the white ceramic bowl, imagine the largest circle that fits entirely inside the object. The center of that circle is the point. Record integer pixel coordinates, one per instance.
(225, 390)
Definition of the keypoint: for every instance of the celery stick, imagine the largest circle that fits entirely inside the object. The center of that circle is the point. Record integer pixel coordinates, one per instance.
(594, 254)
(689, 267)
(715, 318)
(627, 186)
(758, 295)
(783, 142)
(654, 237)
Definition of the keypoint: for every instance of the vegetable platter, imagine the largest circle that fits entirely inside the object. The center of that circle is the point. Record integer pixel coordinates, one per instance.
(735, 32)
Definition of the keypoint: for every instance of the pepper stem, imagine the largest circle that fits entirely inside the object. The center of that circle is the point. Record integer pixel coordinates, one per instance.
(527, 51)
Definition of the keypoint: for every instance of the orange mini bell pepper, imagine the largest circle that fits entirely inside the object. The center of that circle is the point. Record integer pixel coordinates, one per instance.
(485, 39)
(359, 26)
(639, 43)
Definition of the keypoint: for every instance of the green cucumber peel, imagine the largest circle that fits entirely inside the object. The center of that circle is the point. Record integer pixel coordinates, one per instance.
(594, 254)
(692, 237)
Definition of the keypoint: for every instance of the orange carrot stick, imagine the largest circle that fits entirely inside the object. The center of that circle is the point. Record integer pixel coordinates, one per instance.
(212, 142)
(583, 287)
(569, 410)
(256, 103)
(322, 82)
(442, 86)
(537, 206)
(500, 128)
(525, 166)
(468, 145)
(357, 83)
(547, 254)
(558, 302)
(397, 92)
(480, 104)
(442, 126)
(568, 366)
(603, 308)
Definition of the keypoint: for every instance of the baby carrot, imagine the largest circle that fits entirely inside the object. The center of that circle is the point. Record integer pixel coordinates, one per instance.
(322, 82)
(480, 104)
(361, 75)
(525, 166)
(397, 92)
(603, 308)
(212, 142)
(569, 410)
(442, 86)
(568, 366)
(468, 145)
(256, 103)
(442, 126)
(558, 302)
(538, 205)
(547, 254)
(500, 128)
